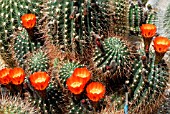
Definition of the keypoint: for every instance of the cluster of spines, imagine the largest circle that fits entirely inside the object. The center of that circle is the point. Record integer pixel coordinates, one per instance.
(83, 107)
(99, 18)
(23, 45)
(113, 53)
(166, 21)
(120, 21)
(136, 17)
(15, 105)
(38, 62)
(67, 70)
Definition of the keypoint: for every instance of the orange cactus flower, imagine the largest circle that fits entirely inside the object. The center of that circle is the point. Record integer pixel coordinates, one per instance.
(75, 84)
(95, 91)
(83, 73)
(161, 44)
(17, 76)
(39, 80)
(148, 30)
(4, 76)
(28, 20)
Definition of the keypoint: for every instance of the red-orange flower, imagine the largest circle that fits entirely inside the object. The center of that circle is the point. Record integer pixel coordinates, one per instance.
(28, 20)
(83, 73)
(4, 76)
(39, 80)
(161, 44)
(95, 91)
(148, 30)
(17, 76)
(75, 84)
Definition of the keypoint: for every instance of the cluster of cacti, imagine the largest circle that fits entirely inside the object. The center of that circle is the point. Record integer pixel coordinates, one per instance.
(75, 57)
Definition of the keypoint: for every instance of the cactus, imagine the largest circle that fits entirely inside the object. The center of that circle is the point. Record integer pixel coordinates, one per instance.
(15, 105)
(38, 62)
(113, 52)
(10, 11)
(67, 18)
(166, 22)
(22, 46)
(63, 41)
(147, 90)
(144, 86)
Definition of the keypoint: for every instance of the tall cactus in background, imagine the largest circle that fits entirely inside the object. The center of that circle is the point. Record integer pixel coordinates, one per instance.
(166, 20)
(137, 16)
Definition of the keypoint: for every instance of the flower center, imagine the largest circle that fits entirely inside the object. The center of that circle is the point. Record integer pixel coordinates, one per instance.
(82, 75)
(162, 43)
(16, 75)
(95, 91)
(76, 84)
(40, 79)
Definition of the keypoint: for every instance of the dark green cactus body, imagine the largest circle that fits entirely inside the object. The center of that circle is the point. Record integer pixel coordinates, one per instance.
(70, 20)
(38, 62)
(55, 100)
(136, 17)
(120, 21)
(148, 84)
(67, 70)
(114, 53)
(22, 46)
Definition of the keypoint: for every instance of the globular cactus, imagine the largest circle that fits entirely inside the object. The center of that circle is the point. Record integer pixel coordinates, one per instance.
(112, 54)
(22, 45)
(38, 62)
(67, 70)
(15, 105)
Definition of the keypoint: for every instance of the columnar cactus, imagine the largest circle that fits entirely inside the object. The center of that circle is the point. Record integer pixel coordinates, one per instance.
(22, 45)
(166, 22)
